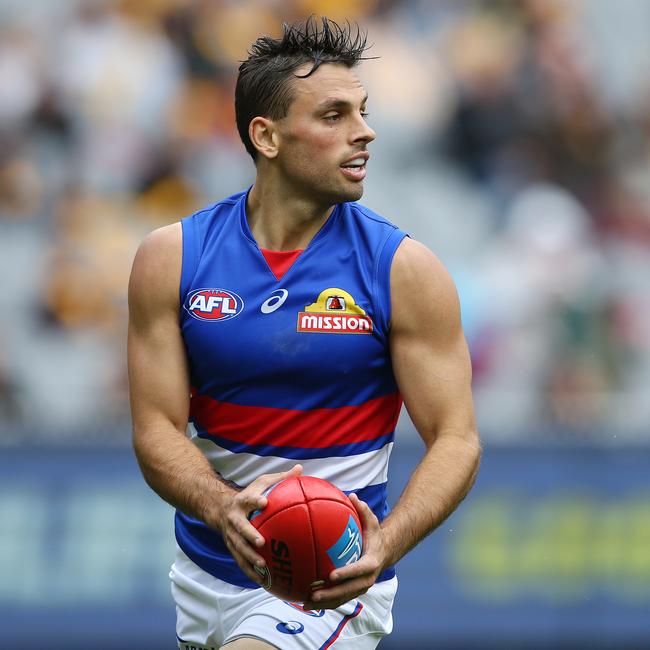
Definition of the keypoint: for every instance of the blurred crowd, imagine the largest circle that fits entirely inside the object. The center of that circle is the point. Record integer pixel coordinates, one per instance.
(513, 139)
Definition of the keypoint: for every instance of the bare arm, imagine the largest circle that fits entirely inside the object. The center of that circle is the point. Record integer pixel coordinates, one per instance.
(432, 367)
(159, 383)
(433, 371)
(160, 394)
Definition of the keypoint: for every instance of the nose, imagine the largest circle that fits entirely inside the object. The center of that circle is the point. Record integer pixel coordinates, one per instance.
(362, 131)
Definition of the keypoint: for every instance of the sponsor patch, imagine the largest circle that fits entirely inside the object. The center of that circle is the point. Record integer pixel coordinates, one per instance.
(290, 627)
(213, 304)
(334, 312)
(275, 301)
(347, 548)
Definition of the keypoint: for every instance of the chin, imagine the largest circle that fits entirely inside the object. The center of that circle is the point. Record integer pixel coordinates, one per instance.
(337, 193)
(353, 193)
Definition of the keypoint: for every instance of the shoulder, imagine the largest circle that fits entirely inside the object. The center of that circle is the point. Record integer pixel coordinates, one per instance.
(367, 215)
(217, 207)
(205, 217)
(208, 220)
(414, 263)
(378, 235)
(422, 290)
(160, 254)
(156, 270)
(159, 249)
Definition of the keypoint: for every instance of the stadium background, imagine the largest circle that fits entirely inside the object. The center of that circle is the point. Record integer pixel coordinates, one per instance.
(513, 139)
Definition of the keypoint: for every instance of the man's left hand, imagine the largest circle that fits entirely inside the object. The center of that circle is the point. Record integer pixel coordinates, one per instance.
(355, 579)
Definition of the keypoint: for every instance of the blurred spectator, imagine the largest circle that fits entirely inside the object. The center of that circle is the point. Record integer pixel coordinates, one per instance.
(11, 410)
(117, 117)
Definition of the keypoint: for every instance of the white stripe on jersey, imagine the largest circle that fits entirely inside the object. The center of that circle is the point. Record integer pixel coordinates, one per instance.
(346, 472)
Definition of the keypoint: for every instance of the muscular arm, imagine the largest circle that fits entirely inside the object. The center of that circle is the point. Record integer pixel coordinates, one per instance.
(160, 397)
(159, 383)
(432, 367)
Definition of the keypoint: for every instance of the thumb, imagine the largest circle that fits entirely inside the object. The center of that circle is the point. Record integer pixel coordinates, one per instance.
(296, 470)
(267, 480)
(366, 516)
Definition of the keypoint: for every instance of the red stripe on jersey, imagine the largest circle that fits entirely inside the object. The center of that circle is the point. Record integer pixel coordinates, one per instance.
(314, 428)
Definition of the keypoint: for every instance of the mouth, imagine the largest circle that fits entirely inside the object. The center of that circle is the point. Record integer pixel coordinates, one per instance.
(355, 168)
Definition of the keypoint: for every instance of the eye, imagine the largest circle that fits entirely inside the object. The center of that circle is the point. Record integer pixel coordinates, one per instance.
(335, 117)
(365, 115)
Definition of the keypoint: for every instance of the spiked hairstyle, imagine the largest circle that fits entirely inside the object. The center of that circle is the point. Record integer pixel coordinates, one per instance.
(265, 81)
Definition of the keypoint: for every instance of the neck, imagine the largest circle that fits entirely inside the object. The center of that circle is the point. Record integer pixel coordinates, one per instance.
(281, 220)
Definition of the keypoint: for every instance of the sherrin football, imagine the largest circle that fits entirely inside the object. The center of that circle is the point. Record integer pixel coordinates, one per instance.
(310, 528)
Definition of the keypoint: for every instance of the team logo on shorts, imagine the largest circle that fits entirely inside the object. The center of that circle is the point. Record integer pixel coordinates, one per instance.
(213, 304)
(334, 312)
(347, 548)
(290, 627)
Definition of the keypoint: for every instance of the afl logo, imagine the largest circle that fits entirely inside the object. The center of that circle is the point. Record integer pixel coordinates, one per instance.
(213, 304)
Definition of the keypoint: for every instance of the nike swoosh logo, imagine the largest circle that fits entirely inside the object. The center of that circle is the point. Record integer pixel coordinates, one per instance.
(274, 302)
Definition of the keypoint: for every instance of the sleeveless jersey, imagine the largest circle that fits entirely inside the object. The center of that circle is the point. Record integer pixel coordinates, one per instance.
(290, 370)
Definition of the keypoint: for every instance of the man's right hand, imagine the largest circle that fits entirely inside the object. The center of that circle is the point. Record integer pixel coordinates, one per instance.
(241, 537)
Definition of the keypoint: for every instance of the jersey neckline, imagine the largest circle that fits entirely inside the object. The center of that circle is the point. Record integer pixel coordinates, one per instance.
(280, 261)
(246, 231)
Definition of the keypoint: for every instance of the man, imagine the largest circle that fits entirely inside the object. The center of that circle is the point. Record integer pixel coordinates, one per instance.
(286, 324)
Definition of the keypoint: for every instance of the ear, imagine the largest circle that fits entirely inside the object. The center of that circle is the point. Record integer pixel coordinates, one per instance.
(264, 136)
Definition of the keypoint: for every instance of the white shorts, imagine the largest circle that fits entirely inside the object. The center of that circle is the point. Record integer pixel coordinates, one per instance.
(211, 612)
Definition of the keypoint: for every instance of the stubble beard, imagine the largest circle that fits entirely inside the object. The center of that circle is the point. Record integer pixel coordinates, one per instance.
(341, 192)
(324, 188)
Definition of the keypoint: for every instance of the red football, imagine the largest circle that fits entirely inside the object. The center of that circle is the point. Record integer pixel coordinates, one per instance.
(310, 528)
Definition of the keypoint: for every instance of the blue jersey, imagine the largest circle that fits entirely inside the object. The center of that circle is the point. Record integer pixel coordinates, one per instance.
(288, 370)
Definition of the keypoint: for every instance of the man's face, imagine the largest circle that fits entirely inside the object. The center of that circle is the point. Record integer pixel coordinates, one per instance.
(323, 138)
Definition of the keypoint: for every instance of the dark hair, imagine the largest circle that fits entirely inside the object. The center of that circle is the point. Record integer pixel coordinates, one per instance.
(264, 85)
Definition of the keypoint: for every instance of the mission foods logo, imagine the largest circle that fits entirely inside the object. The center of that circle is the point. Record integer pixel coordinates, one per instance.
(334, 312)
(213, 304)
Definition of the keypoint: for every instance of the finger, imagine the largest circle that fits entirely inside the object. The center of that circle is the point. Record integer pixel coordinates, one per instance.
(252, 564)
(330, 604)
(364, 566)
(358, 506)
(238, 545)
(252, 497)
(267, 480)
(246, 504)
(240, 524)
(366, 515)
(249, 570)
(252, 535)
(334, 603)
(323, 598)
